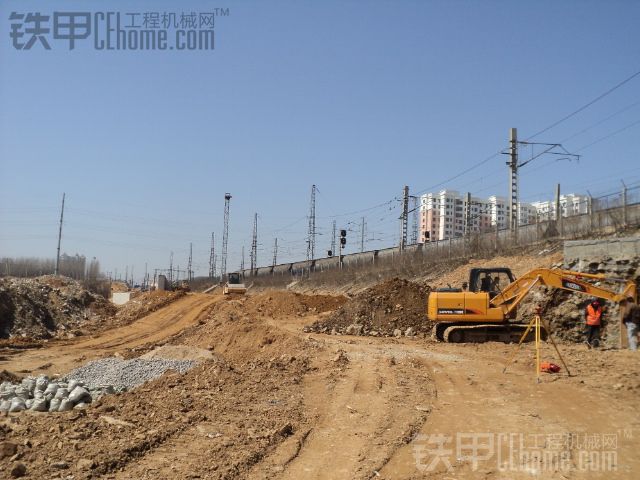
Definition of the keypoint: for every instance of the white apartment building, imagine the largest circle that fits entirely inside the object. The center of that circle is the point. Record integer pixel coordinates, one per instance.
(442, 215)
(570, 204)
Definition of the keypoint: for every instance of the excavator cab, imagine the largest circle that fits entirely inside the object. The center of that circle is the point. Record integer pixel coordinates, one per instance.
(490, 280)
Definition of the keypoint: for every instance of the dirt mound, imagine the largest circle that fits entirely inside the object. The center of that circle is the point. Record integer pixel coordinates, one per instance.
(396, 304)
(47, 306)
(290, 303)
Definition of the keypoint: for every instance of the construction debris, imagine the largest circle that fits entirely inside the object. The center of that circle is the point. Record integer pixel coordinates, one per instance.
(47, 307)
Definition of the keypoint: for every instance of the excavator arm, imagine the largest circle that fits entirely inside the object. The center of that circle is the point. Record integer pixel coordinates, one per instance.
(509, 298)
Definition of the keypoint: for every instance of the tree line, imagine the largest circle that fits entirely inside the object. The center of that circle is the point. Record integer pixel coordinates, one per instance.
(73, 266)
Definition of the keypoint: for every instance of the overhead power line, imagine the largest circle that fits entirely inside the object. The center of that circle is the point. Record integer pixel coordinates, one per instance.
(627, 127)
(600, 122)
(464, 172)
(585, 106)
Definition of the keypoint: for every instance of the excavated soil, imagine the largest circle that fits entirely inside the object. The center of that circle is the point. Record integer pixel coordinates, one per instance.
(396, 304)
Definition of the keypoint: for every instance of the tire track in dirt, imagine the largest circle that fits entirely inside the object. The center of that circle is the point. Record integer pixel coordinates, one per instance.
(359, 411)
(475, 397)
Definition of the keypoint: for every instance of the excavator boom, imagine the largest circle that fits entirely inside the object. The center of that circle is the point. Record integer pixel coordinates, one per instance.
(509, 298)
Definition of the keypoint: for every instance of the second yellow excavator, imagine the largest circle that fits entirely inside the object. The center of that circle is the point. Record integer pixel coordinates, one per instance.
(485, 310)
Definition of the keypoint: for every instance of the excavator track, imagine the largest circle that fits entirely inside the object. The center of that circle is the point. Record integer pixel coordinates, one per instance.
(510, 333)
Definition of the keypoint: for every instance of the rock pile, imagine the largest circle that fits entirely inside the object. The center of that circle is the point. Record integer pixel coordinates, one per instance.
(394, 308)
(46, 306)
(44, 395)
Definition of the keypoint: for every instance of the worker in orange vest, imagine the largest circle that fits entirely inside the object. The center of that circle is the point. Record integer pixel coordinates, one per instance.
(593, 317)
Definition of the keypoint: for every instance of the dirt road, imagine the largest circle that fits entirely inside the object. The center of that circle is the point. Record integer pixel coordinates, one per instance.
(64, 355)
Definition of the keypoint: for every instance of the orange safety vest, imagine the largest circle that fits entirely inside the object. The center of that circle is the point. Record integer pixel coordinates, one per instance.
(593, 315)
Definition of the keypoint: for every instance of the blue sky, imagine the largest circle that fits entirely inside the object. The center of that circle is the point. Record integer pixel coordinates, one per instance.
(359, 98)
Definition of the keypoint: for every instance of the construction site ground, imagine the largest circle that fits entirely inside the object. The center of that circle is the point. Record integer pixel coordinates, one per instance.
(278, 403)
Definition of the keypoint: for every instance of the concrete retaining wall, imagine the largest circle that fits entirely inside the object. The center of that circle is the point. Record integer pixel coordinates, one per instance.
(590, 250)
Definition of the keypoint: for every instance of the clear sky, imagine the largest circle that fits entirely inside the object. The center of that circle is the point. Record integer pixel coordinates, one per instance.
(357, 97)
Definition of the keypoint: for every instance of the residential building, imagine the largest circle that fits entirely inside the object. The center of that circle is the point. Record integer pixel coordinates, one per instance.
(570, 204)
(442, 214)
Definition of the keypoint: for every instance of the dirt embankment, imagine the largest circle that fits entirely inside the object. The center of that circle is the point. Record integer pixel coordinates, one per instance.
(142, 305)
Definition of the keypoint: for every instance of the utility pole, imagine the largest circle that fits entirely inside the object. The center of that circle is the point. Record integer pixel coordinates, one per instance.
(311, 239)
(333, 239)
(414, 227)
(225, 236)
(362, 225)
(404, 218)
(254, 244)
(513, 183)
(590, 210)
(467, 215)
(189, 265)
(212, 258)
(57, 269)
(242, 261)
(275, 252)
(171, 268)
(624, 204)
(558, 210)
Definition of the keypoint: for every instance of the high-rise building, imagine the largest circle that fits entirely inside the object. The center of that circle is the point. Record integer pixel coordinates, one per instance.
(442, 215)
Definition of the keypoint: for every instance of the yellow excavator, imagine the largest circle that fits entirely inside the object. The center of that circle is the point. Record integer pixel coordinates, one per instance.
(485, 308)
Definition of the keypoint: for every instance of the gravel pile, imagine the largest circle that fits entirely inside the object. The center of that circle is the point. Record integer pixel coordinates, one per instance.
(126, 374)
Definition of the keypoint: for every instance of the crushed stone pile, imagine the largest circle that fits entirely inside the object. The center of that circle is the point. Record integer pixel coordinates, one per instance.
(125, 374)
(47, 306)
(393, 308)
